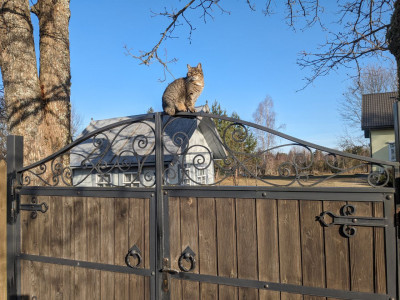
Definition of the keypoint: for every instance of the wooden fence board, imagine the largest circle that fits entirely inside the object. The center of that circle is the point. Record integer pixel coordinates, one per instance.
(289, 245)
(336, 252)
(207, 246)
(312, 246)
(80, 246)
(56, 245)
(93, 231)
(267, 238)
(136, 237)
(189, 237)
(121, 246)
(361, 251)
(379, 252)
(226, 242)
(107, 247)
(246, 225)
(175, 243)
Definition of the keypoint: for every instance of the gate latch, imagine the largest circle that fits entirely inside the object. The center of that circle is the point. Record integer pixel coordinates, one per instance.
(167, 271)
(34, 207)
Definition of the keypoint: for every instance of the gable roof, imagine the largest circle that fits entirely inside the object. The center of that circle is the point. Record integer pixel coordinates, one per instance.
(121, 139)
(377, 111)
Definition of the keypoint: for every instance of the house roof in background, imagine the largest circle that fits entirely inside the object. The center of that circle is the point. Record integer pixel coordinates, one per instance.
(130, 144)
(377, 111)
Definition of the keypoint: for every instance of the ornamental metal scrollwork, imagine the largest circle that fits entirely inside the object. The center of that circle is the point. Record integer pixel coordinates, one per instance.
(125, 146)
(201, 149)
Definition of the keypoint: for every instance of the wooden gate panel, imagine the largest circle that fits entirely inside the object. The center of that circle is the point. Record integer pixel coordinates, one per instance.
(88, 229)
(277, 241)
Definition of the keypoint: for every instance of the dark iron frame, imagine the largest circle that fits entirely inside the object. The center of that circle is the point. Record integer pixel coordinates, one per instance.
(160, 270)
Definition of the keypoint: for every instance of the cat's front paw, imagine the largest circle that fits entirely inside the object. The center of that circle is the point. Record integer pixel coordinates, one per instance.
(191, 109)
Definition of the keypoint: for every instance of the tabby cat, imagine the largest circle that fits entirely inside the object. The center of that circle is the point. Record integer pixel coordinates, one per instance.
(182, 93)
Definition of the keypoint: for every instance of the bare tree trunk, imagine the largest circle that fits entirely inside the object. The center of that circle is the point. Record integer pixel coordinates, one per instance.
(38, 108)
(55, 75)
(19, 72)
(393, 37)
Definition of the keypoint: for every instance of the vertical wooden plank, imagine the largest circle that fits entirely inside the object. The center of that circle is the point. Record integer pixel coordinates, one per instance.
(289, 245)
(207, 245)
(336, 252)
(3, 230)
(68, 246)
(361, 252)
(93, 241)
(44, 246)
(247, 245)
(147, 246)
(121, 246)
(380, 257)
(312, 245)
(226, 240)
(268, 252)
(80, 246)
(29, 240)
(136, 237)
(175, 243)
(56, 246)
(107, 247)
(189, 237)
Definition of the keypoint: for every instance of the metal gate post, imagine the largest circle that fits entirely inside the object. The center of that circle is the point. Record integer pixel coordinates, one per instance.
(396, 183)
(14, 162)
(161, 292)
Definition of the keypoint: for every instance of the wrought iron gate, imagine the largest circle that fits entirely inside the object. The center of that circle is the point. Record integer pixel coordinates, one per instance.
(154, 207)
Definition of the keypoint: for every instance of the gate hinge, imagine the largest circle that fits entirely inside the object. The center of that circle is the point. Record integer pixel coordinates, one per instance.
(34, 207)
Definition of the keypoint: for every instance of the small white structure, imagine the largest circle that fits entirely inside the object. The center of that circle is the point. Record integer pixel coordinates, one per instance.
(124, 154)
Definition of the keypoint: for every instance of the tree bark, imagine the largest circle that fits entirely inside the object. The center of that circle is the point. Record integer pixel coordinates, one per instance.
(393, 37)
(38, 107)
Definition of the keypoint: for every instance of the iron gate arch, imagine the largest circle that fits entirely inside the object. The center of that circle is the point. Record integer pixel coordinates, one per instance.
(188, 222)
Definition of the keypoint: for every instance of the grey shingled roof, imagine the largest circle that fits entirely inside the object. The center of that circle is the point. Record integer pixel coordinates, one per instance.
(377, 110)
(123, 137)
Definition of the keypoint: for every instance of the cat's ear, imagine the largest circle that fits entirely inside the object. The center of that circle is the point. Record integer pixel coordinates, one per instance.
(189, 67)
(199, 66)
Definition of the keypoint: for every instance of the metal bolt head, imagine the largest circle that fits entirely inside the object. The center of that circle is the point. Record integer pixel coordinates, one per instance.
(389, 197)
(355, 220)
(266, 286)
(153, 273)
(264, 194)
(165, 192)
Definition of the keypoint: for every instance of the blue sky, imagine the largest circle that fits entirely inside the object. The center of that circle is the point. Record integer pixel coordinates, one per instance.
(245, 56)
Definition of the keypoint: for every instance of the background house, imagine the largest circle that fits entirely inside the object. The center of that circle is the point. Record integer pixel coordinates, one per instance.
(125, 156)
(378, 125)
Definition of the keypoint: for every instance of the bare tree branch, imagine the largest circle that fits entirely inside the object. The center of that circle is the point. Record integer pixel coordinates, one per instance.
(363, 30)
(206, 6)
